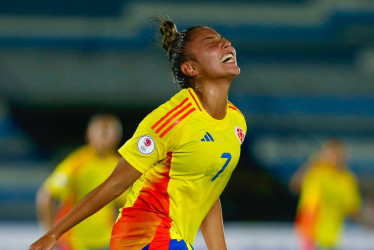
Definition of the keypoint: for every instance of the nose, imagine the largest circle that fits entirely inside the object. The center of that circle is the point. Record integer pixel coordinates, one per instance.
(226, 43)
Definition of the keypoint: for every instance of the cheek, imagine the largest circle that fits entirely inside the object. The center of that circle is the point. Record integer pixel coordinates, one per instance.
(206, 55)
(209, 61)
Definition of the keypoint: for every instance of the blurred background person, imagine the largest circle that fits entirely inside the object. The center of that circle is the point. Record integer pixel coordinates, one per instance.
(77, 175)
(328, 194)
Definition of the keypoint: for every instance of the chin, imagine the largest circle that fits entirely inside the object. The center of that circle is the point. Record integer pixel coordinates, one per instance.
(238, 71)
(235, 71)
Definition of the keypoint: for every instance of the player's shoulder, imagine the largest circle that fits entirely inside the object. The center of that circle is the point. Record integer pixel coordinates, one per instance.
(80, 152)
(76, 157)
(185, 99)
(349, 174)
(173, 113)
(235, 111)
(233, 108)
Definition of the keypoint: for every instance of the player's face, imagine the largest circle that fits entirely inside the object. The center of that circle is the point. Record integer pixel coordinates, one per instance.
(104, 134)
(214, 56)
(333, 154)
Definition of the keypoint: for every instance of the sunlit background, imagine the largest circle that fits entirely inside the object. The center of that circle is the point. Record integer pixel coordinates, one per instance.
(307, 73)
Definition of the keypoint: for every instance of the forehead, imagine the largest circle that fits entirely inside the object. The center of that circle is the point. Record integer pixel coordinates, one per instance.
(103, 121)
(204, 32)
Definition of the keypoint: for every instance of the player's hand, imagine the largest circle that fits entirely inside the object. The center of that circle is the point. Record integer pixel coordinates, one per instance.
(47, 242)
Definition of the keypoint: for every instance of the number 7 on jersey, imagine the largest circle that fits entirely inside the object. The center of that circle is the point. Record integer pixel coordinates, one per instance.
(226, 156)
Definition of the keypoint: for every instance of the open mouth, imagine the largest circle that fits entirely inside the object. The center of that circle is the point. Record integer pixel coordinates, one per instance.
(227, 58)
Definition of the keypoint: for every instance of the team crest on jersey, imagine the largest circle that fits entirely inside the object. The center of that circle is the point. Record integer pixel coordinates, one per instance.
(146, 145)
(240, 134)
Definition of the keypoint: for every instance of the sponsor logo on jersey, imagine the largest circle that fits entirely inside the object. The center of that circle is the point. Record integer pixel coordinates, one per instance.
(146, 145)
(240, 134)
(207, 137)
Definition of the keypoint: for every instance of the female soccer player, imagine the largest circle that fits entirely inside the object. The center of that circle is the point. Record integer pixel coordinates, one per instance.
(79, 173)
(329, 193)
(180, 157)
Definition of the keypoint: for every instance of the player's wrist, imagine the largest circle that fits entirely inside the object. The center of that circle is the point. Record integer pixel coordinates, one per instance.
(52, 234)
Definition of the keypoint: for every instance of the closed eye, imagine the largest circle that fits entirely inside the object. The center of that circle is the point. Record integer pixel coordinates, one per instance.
(211, 40)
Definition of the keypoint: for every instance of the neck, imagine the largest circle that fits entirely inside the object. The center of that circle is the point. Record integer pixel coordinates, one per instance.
(213, 97)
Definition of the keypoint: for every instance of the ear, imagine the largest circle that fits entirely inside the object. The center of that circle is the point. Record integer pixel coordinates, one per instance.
(189, 69)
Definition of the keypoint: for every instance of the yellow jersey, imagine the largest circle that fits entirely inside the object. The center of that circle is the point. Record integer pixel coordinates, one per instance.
(328, 195)
(77, 175)
(186, 158)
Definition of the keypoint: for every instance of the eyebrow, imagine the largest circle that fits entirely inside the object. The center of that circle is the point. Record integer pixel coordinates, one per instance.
(207, 38)
(211, 37)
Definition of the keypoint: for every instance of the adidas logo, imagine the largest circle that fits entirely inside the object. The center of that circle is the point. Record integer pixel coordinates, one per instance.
(207, 137)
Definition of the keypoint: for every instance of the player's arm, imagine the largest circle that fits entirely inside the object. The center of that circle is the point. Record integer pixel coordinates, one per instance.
(212, 228)
(45, 208)
(122, 177)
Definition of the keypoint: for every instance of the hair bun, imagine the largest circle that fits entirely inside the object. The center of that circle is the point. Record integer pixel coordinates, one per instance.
(169, 33)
